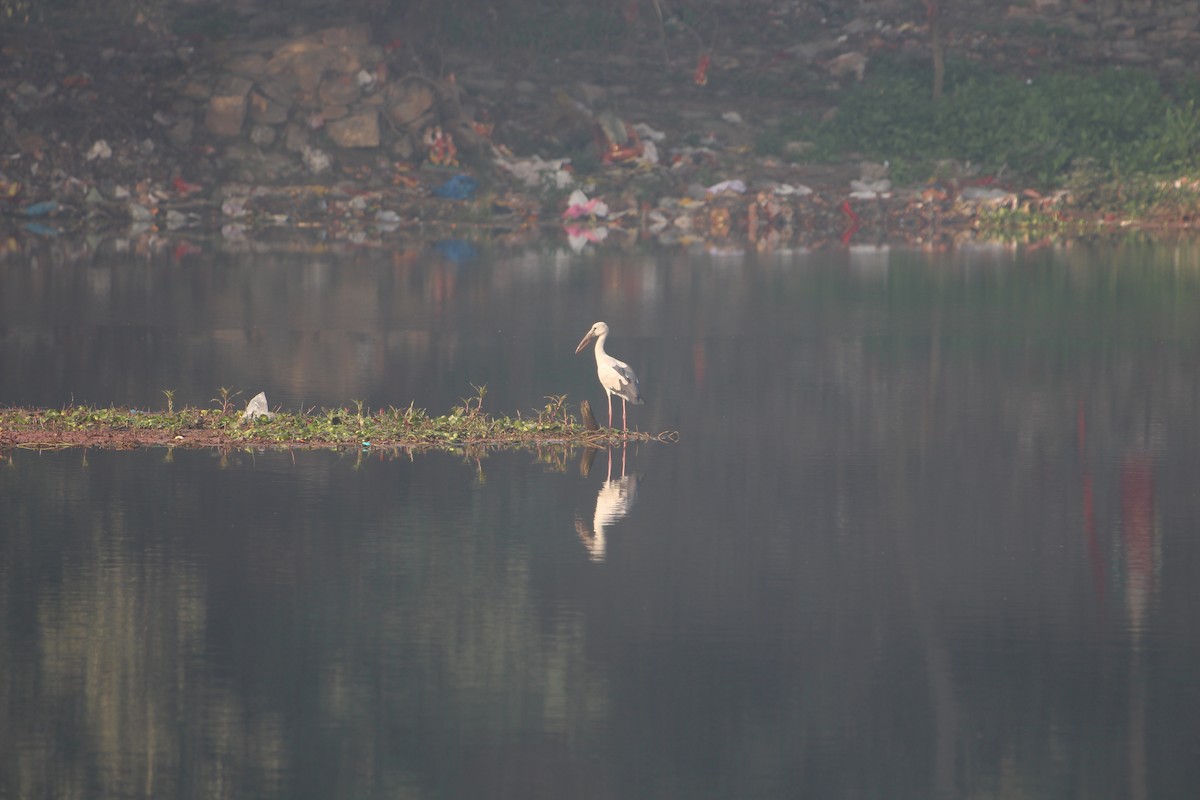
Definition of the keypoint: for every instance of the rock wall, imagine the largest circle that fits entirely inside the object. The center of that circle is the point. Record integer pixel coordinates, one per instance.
(329, 90)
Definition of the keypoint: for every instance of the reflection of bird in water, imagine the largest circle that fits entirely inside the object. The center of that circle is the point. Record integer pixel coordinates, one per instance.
(613, 502)
(615, 376)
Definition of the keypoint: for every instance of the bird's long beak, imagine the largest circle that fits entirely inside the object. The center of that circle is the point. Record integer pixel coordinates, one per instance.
(584, 343)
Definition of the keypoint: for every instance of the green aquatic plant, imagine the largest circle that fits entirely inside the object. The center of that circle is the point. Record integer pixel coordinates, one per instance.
(226, 398)
(357, 426)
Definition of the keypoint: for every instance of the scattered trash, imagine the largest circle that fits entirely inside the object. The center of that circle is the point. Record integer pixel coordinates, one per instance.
(139, 213)
(39, 209)
(579, 236)
(986, 194)
(869, 190)
(647, 133)
(184, 188)
(257, 407)
(177, 219)
(100, 149)
(40, 229)
(734, 185)
(458, 187)
(286, 124)
(536, 172)
(234, 207)
(579, 206)
(649, 154)
(317, 161)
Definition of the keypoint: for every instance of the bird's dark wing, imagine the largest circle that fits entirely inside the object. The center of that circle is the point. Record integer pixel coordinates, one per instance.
(630, 389)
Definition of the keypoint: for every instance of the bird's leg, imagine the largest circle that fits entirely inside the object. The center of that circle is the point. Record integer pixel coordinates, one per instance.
(610, 412)
(624, 421)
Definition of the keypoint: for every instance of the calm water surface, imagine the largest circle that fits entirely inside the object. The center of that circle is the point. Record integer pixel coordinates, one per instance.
(929, 531)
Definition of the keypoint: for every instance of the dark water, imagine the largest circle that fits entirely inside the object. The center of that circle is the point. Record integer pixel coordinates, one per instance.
(929, 532)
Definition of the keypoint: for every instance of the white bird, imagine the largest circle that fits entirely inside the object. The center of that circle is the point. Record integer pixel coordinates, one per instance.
(615, 376)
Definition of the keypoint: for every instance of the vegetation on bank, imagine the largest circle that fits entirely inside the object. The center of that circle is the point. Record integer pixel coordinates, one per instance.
(357, 426)
(1117, 139)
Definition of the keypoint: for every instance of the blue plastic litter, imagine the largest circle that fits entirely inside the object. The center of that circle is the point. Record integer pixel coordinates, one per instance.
(457, 251)
(39, 209)
(39, 229)
(459, 187)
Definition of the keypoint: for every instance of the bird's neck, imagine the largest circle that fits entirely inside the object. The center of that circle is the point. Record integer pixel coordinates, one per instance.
(600, 345)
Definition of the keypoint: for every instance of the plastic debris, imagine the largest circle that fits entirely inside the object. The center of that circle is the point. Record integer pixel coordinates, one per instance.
(646, 132)
(315, 159)
(734, 185)
(787, 190)
(257, 407)
(177, 219)
(536, 171)
(578, 206)
(40, 229)
(458, 187)
(649, 153)
(100, 150)
(579, 236)
(139, 213)
(234, 207)
(985, 194)
(869, 190)
(39, 209)
(184, 188)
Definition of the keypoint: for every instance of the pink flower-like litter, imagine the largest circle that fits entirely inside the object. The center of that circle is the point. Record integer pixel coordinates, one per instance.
(579, 206)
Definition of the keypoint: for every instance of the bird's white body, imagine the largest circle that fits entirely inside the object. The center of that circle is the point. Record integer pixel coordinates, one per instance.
(615, 375)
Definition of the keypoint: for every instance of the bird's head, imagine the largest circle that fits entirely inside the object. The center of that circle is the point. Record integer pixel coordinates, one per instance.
(597, 330)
